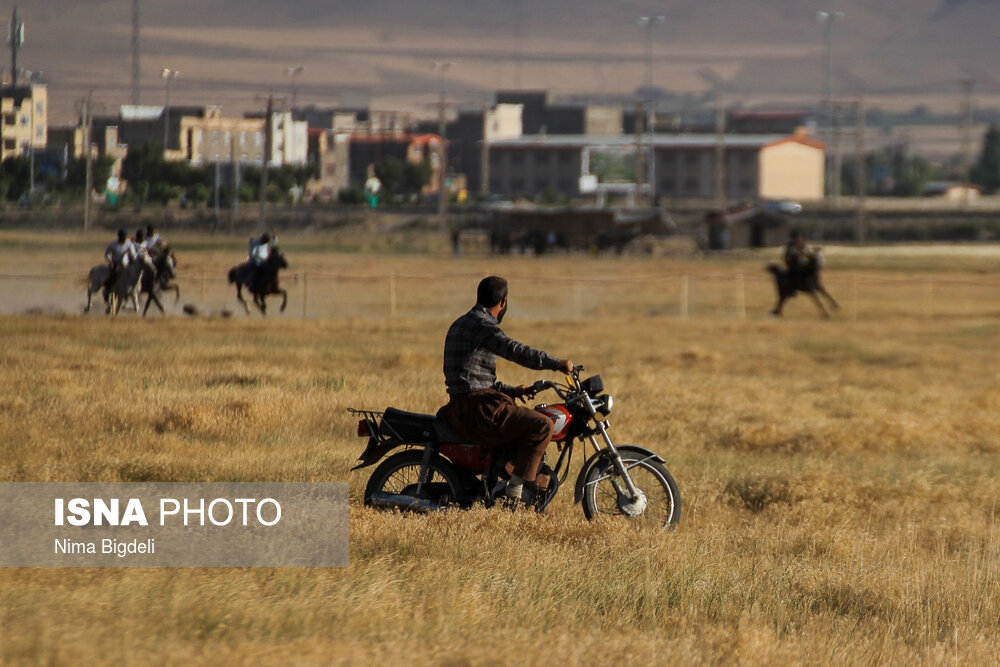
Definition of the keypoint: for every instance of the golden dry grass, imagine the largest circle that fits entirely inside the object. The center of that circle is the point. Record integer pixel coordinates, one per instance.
(840, 478)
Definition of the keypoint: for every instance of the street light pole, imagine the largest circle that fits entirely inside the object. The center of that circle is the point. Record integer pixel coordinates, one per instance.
(168, 76)
(828, 19)
(648, 22)
(291, 73)
(440, 68)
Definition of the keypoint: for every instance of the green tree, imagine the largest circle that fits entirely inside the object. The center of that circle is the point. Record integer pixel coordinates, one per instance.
(416, 175)
(76, 173)
(389, 170)
(986, 171)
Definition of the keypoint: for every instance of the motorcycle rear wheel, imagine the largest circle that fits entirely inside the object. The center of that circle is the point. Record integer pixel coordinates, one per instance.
(399, 474)
(605, 494)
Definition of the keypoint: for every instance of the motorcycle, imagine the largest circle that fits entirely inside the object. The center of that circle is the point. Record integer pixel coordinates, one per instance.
(437, 469)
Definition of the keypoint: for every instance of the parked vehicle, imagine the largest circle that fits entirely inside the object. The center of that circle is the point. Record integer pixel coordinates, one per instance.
(436, 468)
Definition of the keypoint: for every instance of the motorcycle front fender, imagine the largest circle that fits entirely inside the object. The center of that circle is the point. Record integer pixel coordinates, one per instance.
(605, 455)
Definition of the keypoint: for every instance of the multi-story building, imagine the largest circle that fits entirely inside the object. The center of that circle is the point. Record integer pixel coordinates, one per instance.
(755, 166)
(23, 119)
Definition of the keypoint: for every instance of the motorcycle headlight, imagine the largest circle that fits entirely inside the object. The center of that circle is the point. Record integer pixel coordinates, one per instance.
(606, 402)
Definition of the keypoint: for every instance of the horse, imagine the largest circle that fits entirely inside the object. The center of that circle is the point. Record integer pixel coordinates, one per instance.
(165, 270)
(125, 288)
(262, 282)
(807, 280)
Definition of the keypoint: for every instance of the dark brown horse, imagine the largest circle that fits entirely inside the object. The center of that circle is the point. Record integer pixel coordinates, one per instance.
(805, 279)
(166, 270)
(261, 281)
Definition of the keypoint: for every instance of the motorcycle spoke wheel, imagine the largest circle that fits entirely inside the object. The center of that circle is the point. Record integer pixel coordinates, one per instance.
(400, 475)
(657, 507)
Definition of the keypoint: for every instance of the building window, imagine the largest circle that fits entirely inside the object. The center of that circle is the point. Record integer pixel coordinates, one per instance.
(691, 186)
(9, 144)
(691, 159)
(9, 119)
(517, 185)
(517, 157)
(40, 133)
(25, 120)
(40, 108)
(667, 185)
(257, 138)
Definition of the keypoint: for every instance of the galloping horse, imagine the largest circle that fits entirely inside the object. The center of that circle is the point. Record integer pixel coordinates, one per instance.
(262, 282)
(805, 280)
(126, 287)
(165, 265)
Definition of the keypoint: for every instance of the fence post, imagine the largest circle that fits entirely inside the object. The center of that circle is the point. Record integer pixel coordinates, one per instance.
(741, 295)
(305, 294)
(203, 281)
(685, 284)
(392, 294)
(929, 298)
(854, 299)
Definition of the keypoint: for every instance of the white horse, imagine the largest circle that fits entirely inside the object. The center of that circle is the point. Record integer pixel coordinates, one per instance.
(126, 287)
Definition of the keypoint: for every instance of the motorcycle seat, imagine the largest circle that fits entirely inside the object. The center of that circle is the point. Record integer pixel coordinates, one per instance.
(418, 427)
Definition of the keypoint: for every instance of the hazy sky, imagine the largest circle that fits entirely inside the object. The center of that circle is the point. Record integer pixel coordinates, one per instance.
(229, 52)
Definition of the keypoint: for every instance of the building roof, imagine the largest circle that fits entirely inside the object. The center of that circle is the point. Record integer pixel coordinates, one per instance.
(749, 141)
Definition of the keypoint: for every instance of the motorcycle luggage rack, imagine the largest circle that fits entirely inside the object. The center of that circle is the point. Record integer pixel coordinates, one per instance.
(376, 424)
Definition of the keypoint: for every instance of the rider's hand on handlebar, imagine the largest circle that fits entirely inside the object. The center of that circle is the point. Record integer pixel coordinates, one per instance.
(524, 392)
(565, 366)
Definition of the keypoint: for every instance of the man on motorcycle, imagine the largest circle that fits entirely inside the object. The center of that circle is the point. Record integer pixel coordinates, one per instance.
(481, 408)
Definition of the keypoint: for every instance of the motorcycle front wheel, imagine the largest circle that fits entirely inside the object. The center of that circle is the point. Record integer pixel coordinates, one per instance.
(394, 483)
(658, 505)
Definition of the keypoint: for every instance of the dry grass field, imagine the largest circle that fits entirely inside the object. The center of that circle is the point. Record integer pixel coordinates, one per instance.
(841, 478)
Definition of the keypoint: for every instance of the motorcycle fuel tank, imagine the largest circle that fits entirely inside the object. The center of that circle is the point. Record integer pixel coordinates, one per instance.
(561, 419)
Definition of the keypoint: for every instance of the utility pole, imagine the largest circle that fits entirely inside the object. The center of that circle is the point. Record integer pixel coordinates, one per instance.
(136, 70)
(484, 156)
(720, 153)
(649, 22)
(15, 37)
(967, 85)
(838, 156)
(442, 211)
(88, 120)
(862, 175)
(265, 163)
(828, 19)
(168, 75)
(640, 128)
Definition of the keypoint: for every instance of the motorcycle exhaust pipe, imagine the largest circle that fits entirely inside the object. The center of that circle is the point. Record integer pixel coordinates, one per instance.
(405, 503)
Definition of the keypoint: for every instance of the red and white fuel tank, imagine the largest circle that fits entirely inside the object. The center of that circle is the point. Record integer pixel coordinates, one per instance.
(561, 419)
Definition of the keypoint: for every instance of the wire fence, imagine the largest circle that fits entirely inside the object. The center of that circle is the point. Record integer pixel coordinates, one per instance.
(734, 295)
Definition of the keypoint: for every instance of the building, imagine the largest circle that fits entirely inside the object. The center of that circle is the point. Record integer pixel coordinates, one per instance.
(756, 166)
(23, 120)
(330, 151)
(366, 150)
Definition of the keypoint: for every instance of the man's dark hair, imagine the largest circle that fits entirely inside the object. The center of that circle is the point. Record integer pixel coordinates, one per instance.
(264, 238)
(491, 291)
(122, 234)
(140, 235)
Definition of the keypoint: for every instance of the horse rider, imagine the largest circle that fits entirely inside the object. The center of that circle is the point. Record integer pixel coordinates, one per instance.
(143, 251)
(118, 255)
(796, 256)
(481, 408)
(260, 251)
(153, 240)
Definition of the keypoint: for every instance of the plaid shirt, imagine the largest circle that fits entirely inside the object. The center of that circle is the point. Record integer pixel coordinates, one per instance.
(470, 350)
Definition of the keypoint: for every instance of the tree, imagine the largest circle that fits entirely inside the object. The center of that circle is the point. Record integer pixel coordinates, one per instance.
(389, 170)
(986, 171)
(416, 175)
